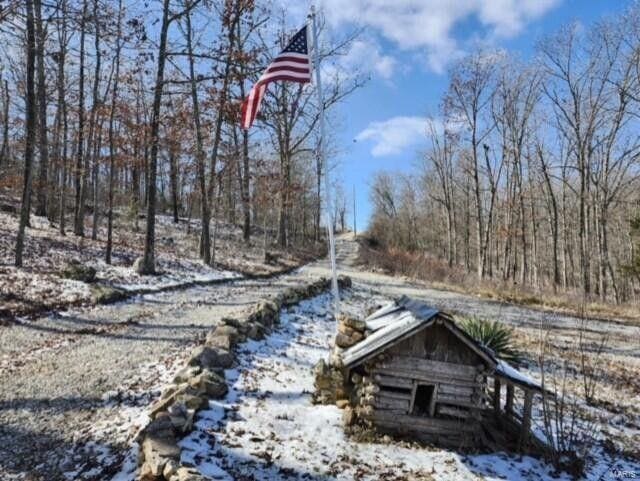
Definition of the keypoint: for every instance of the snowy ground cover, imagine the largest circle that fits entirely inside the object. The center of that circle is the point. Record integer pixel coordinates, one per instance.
(267, 428)
(39, 285)
(125, 413)
(172, 273)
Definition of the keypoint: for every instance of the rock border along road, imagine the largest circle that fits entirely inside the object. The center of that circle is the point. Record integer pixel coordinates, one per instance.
(70, 383)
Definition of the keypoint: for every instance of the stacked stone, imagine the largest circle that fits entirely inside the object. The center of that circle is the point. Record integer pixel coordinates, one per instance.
(172, 416)
(361, 407)
(350, 331)
(329, 384)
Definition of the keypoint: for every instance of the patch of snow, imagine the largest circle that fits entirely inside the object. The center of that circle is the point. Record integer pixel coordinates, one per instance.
(507, 370)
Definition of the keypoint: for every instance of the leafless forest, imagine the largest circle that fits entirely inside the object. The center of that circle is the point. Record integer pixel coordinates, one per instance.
(128, 110)
(532, 175)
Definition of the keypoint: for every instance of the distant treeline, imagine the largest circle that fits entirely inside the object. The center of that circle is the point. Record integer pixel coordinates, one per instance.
(532, 173)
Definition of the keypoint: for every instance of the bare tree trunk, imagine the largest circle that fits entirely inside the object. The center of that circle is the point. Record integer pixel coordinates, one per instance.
(583, 232)
(246, 194)
(94, 129)
(30, 121)
(605, 252)
(95, 172)
(565, 240)
(553, 220)
(112, 144)
(478, 200)
(467, 229)
(148, 265)
(205, 216)
(43, 186)
(222, 102)
(78, 226)
(534, 233)
(245, 180)
(173, 180)
(4, 152)
(284, 199)
(62, 110)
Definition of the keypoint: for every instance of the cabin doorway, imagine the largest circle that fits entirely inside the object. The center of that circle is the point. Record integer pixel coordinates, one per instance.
(423, 402)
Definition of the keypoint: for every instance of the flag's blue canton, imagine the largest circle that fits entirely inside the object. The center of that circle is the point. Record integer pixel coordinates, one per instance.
(298, 43)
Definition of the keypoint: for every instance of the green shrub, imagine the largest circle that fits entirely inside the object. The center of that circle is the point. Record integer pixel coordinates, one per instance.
(494, 335)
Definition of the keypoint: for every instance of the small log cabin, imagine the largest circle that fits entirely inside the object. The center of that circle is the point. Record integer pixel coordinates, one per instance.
(418, 375)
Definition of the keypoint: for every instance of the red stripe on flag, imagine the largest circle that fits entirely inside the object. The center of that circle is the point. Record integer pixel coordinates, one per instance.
(289, 58)
(284, 68)
(290, 78)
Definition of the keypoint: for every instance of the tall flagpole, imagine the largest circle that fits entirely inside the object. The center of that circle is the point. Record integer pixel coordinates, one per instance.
(324, 163)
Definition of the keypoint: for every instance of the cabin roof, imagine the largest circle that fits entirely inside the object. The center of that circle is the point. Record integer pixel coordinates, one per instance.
(403, 318)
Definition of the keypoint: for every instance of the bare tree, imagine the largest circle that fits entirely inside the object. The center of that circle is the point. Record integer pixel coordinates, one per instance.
(43, 185)
(30, 104)
(468, 100)
(80, 174)
(112, 143)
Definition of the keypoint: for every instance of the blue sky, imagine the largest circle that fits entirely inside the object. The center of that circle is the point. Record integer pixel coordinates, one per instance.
(407, 45)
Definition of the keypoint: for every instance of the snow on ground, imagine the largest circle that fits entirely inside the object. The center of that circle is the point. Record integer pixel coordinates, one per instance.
(38, 285)
(125, 413)
(267, 428)
(171, 274)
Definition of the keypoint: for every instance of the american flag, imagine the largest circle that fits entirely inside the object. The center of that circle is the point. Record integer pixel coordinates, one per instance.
(292, 65)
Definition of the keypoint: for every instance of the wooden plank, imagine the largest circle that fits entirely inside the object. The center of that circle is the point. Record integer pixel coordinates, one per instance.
(392, 404)
(413, 397)
(458, 401)
(430, 366)
(509, 404)
(453, 411)
(394, 412)
(393, 381)
(526, 419)
(422, 376)
(382, 394)
(424, 424)
(432, 405)
(455, 389)
(421, 373)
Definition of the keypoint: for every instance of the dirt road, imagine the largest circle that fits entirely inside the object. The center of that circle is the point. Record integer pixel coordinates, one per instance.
(74, 386)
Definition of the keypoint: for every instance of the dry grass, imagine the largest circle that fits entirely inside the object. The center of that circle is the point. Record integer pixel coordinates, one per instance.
(439, 275)
(616, 371)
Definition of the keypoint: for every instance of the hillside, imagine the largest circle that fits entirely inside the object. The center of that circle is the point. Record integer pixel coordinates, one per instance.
(41, 284)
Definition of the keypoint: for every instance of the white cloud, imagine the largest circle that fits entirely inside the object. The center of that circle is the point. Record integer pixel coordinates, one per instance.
(366, 55)
(394, 135)
(429, 24)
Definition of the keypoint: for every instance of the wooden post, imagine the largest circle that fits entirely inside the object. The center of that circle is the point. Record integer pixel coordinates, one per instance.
(496, 395)
(509, 405)
(432, 406)
(526, 419)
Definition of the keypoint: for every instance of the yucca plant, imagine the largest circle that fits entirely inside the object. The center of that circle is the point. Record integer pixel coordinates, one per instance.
(494, 335)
